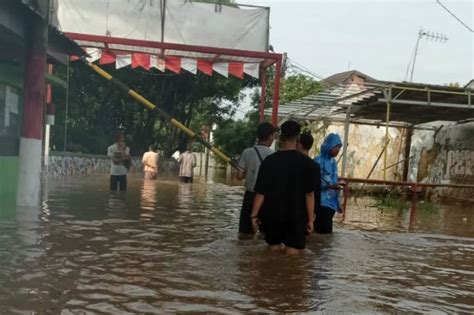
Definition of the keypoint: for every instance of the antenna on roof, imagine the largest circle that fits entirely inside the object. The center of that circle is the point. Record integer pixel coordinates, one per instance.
(437, 37)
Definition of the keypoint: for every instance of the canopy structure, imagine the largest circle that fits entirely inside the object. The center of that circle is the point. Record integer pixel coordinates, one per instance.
(391, 104)
(174, 35)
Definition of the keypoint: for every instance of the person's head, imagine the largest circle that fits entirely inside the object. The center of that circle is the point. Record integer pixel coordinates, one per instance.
(290, 131)
(119, 138)
(306, 142)
(189, 146)
(266, 133)
(152, 147)
(331, 145)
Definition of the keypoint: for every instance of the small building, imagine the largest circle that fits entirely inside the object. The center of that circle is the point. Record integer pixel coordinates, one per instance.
(396, 131)
(16, 18)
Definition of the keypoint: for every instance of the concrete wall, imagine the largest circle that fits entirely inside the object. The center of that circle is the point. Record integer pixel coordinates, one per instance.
(66, 164)
(365, 145)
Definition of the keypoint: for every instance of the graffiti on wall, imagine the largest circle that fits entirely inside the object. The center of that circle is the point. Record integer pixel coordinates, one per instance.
(459, 162)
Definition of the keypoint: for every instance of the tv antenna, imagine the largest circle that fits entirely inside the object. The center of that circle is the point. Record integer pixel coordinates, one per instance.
(432, 36)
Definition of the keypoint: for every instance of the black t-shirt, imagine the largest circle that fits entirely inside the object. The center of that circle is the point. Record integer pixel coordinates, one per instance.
(284, 179)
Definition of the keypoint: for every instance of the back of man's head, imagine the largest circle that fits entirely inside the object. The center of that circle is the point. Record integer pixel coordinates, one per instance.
(264, 131)
(151, 147)
(306, 141)
(290, 130)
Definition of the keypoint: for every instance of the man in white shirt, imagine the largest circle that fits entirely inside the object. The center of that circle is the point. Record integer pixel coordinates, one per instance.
(119, 154)
(249, 164)
(187, 162)
(150, 163)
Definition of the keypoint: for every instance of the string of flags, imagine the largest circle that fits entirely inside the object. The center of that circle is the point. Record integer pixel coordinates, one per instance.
(172, 63)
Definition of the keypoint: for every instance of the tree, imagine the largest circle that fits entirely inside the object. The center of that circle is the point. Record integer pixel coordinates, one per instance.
(233, 136)
(97, 109)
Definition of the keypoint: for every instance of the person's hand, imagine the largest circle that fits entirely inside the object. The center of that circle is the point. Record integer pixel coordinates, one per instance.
(310, 227)
(335, 187)
(255, 223)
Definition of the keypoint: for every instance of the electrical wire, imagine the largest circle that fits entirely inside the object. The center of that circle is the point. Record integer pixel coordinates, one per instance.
(454, 16)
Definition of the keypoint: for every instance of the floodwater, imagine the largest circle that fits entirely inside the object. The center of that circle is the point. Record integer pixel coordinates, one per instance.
(167, 247)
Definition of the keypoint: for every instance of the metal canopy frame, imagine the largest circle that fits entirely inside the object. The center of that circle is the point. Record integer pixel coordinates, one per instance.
(266, 59)
(378, 103)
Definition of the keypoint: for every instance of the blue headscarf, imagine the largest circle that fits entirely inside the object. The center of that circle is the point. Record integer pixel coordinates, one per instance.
(328, 166)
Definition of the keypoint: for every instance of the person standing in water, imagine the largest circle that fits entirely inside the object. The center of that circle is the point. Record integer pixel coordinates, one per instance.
(305, 144)
(187, 162)
(285, 183)
(119, 153)
(329, 184)
(150, 162)
(249, 164)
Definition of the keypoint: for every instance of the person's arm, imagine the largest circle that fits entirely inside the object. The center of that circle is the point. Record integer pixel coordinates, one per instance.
(339, 209)
(242, 166)
(127, 154)
(113, 157)
(317, 188)
(309, 197)
(257, 205)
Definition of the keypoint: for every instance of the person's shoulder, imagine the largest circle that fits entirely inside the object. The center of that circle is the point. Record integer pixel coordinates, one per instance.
(111, 147)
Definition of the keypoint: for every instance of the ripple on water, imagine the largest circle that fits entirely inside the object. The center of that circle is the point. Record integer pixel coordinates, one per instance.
(173, 248)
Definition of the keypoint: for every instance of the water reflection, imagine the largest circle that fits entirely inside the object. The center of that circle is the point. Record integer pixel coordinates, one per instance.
(166, 247)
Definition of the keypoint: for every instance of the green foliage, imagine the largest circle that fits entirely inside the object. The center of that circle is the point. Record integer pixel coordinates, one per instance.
(97, 109)
(298, 86)
(428, 207)
(233, 136)
(390, 201)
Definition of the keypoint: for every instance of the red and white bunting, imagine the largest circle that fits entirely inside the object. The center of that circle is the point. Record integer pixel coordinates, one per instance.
(222, 68)
(172, 63)
(157, 63)
(189, 65)
(123, 61)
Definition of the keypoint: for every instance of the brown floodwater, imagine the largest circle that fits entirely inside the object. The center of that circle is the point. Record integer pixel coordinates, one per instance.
(167, 247)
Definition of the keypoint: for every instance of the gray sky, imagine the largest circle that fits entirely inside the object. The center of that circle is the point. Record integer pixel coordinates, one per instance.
(377, 37)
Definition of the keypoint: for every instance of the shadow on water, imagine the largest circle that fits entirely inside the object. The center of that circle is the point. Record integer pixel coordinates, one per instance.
(170, 247)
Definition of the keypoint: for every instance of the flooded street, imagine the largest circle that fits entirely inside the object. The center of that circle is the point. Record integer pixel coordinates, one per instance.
(171, 247)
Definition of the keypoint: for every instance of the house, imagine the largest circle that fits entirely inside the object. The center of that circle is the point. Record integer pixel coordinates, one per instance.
(17, 18)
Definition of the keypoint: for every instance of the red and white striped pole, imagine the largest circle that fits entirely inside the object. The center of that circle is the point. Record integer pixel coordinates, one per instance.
(29, 173)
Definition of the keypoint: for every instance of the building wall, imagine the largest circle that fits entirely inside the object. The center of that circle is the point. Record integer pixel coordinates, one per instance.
(11, 85)
(364, 146)
(69, 164)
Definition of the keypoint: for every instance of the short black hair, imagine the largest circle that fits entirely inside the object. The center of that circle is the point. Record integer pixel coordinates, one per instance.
(151, 147)
(290, 129)
(306, 140)
(264, 131)
(118, 134)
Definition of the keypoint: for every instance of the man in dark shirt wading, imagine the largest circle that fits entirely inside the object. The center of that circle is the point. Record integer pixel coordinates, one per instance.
(286, 183)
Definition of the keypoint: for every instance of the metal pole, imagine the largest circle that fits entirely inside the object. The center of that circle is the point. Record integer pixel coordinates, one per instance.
(139, 98)
(276, 92)
(345, 141)
(263, 96)
(67, 106)
(47, 130)
(406, 164)
(29, 170)
(420, 34)
(387, 118)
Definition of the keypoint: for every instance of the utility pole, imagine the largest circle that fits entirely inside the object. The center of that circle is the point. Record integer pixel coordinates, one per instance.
(29, 172)
(428, 35)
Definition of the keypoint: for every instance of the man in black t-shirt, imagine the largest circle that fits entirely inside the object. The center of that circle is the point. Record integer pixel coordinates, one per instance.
(305, 144)
(285, 183)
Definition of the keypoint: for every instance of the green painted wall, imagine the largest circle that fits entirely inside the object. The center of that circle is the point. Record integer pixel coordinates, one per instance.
(11, 74)
(8, 182)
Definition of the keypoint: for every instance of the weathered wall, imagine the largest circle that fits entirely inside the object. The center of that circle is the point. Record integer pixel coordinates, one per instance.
(365, 145)
(65, 164)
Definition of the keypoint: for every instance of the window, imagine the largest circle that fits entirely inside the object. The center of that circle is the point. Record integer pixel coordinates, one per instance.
(9, 120)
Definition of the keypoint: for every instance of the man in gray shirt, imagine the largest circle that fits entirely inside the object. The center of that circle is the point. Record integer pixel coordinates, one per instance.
(249, 164)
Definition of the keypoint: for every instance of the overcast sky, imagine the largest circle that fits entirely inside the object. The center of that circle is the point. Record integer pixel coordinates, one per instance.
(376, 37)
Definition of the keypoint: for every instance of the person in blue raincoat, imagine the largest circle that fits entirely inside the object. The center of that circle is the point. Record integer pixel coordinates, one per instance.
(329, 184)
